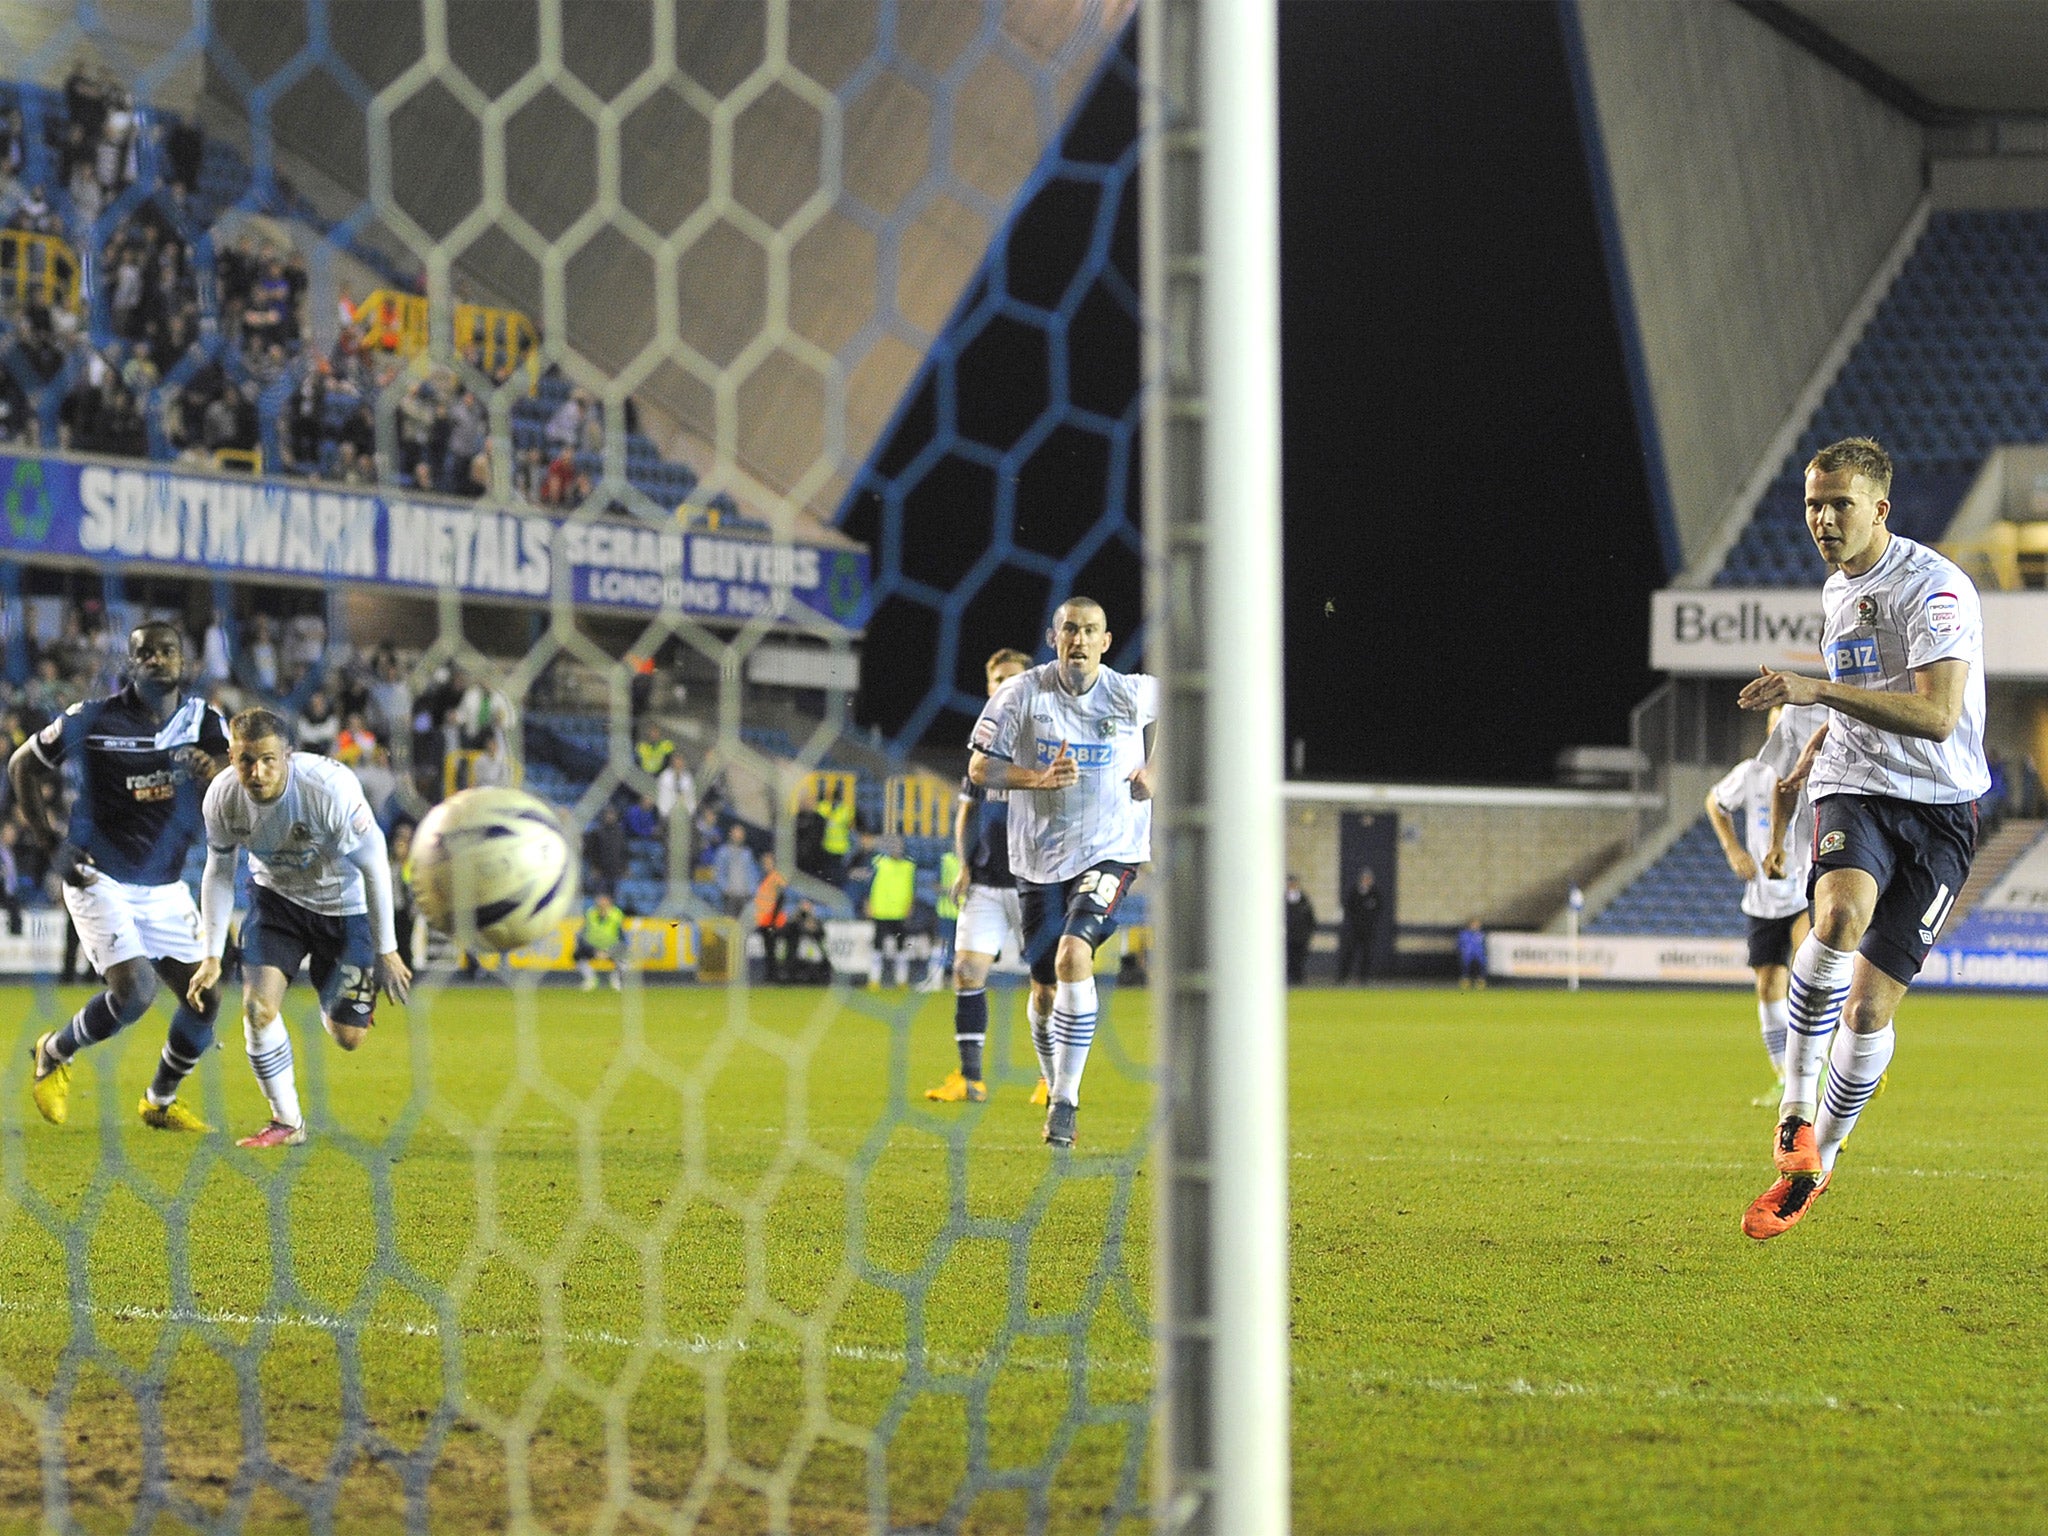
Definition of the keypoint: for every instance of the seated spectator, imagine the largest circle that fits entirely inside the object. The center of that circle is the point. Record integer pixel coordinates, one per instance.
(642, 819)
(806, 962)
(601, 936)
(655, 748)
(558, 485)
(736, 871)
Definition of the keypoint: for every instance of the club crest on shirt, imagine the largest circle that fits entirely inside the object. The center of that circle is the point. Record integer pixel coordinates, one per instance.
(1866, 610)
(1834, 842)
(1106, 728)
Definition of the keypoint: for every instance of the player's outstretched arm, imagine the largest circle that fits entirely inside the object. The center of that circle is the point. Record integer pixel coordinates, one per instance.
(1929, 712)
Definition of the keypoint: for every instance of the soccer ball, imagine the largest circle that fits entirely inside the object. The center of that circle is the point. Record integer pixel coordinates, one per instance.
(494, 862)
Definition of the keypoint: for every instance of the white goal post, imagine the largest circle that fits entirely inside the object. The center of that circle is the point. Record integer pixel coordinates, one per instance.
(1212, 523)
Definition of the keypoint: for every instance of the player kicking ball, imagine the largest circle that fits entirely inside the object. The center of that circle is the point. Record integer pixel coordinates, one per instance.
(320, 891)
(990, 919)
(1070, 742)
(145, 756)
(1894, 782)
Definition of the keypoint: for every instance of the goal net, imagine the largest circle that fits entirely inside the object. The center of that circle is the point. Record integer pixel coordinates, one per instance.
(667, 409)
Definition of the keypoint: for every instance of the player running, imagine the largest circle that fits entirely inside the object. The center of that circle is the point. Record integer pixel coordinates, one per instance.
(1893, 783)
(1765, 825)
(990, 919)
(321, 890)
(146, 755)
(1076, 737)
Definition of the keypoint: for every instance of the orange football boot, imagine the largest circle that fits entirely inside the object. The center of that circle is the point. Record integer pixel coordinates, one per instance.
(1781, 1207)
(1794, 1150)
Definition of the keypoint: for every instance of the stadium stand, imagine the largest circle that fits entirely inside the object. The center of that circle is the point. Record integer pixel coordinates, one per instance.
(1952, 366)
(1689, 891)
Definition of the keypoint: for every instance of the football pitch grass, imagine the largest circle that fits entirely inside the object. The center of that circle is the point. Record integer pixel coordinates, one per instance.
(600, 1260)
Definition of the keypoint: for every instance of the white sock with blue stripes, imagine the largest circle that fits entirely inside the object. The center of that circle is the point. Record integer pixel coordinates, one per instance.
(1041, 1039)
(1855, 1065)
(1772, 1016)
(1073, 1031)
(1820, 985)
(270, 1054)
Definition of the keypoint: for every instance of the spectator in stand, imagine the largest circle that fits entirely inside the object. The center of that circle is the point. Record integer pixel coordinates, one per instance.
(262, 658)
(355, 741)
(769, 918)
(736, 871)
(482, 713)
(390, 696)
(399, 850)
(415, 428)
(529, 471)
(318, 730)
(380, 785)
(605, 856)
(466, 428)
(601, 937)
(565, 426)
(675, 790)
(805, 960)
(838, 837)
(655, 748)
(215, 663)
(1301, 929)
(558, 483)
(809, 833)
(642, 819)
(492, 768)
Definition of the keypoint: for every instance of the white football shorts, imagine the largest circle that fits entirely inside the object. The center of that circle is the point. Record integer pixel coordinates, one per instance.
(991, 922)
(119, 922)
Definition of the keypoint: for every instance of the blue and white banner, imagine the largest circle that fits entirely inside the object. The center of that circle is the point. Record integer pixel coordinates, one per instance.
(222, 525)
(2014, 916)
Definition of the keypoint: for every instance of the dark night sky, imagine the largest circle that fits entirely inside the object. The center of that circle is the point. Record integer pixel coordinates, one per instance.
(1463, 479)
(1469, 545)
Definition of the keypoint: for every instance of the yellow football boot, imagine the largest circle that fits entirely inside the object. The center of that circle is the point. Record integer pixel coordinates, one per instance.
(169, 1117)
(51, 1086)
(958, 1088)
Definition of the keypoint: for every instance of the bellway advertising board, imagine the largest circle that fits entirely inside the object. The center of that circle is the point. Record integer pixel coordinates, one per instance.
(1731, 631)
(221, 525)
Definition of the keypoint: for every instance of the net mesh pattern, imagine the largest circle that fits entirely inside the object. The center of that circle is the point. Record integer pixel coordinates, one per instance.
(680, 1257)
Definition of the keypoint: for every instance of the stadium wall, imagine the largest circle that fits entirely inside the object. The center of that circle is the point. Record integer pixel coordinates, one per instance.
(1751, 191)
(1505, 857)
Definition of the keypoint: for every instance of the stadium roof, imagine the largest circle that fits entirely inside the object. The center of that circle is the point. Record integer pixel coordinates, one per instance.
(1936, 59)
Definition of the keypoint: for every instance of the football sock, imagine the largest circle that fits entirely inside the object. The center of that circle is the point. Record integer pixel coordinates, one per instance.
(970, 1029)
(1073, 1031)
(1820, 983)
(270, 1054)
(189, 1036)
(1854, 1066)
(1041, 1037)
(1773, 1015)
(98, 1020)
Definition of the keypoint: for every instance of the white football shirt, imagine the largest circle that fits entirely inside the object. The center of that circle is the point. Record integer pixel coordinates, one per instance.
(1055, 834)
(299, 843)
(1745, 794)
(1913, 607)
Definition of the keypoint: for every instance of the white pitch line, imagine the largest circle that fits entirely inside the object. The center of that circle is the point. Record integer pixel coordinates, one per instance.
(1521, 1387)
(697, 1344)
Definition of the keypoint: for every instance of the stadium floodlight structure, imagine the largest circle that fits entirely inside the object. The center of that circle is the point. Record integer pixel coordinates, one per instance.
(1211, 231)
